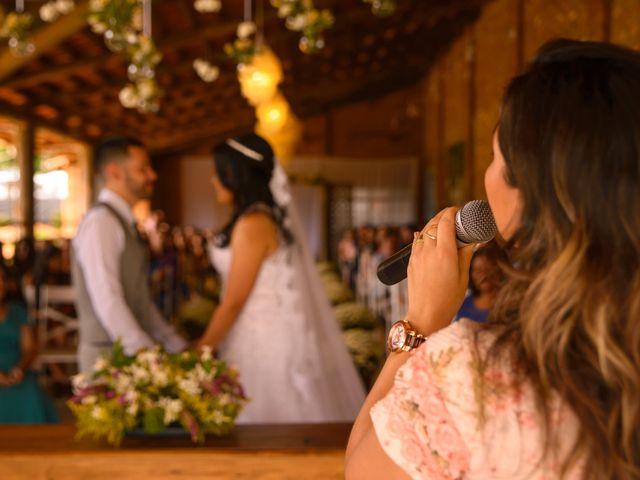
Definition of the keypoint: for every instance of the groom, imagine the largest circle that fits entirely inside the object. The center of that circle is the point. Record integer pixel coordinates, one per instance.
(110, 261)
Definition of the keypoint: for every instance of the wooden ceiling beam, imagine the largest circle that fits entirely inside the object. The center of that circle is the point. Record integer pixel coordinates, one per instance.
(44, 39)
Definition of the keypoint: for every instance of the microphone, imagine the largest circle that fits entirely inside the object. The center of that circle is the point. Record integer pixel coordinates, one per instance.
(474, 224)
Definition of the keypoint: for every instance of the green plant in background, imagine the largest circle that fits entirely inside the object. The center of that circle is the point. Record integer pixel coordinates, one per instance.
(355, 315)
(367, 348)
(302, 16)
(194, 315)
(382, 8)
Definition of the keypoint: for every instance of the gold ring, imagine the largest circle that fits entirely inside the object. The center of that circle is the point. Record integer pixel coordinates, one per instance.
(418, 237)
(434, 228)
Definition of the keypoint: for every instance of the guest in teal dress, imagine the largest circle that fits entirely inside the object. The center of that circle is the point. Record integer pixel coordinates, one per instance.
(21, 399)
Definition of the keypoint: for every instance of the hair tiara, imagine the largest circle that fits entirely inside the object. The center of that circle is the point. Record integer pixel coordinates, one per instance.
(246, 151)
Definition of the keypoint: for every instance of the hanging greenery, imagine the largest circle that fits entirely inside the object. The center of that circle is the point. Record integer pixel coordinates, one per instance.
(16, 27)
(382, 8)
(243, 48)
(120, 21)
(302, 16)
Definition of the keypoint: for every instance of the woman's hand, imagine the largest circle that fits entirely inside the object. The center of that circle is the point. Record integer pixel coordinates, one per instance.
(438, 275)
(16, 375)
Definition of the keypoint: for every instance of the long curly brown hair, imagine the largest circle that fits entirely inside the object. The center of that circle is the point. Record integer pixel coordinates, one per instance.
(569, 314)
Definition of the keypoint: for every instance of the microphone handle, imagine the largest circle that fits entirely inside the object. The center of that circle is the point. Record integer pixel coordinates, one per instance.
(394, 268)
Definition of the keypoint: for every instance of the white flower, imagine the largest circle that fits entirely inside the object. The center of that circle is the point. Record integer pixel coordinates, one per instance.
(207, 5)
(99, 413)
(190, 386)
(246, 29)
(99, 27)
(65, 6)
(172, 409)
(206, 71)
(297, 23)
(146, 89)
(149, 357)
(224, 399)
(218, 417)
(128, 96)
(206, 353)
(79, 381)
(160, 378)
(89, 400)
(48, 12)
(132, 409)
(285, 10)
(101, 364)
(124, 383)
(140, 374)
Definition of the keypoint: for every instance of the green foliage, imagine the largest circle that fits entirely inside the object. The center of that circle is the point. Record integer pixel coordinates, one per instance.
(354, 315)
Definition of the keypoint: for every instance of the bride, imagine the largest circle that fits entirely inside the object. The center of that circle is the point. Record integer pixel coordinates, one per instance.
(275, 323)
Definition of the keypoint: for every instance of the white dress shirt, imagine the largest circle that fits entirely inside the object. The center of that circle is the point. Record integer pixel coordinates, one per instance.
(98, 245)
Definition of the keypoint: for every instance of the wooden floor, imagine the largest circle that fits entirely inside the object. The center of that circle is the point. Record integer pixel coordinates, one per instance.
(259, 452)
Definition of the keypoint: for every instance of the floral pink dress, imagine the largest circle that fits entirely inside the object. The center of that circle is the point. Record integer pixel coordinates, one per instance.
(437, 422)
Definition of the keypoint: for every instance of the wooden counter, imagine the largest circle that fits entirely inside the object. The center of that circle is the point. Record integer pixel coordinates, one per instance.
(261, 452)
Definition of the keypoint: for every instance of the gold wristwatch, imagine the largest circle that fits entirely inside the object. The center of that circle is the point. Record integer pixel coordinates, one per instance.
(402, 337)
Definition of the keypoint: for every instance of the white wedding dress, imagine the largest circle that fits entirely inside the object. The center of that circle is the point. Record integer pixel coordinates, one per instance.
(286, 344)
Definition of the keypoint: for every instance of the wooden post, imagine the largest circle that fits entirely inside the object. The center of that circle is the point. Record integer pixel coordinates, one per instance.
(26, 157)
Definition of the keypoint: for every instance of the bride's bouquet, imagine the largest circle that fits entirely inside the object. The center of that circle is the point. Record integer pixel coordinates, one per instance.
(155, 390)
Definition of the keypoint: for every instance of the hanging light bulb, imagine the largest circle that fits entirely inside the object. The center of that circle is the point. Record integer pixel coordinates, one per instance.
(259, 79)
(272, 115)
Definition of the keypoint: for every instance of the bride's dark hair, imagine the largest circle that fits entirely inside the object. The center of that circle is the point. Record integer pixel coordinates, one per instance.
(245, 166)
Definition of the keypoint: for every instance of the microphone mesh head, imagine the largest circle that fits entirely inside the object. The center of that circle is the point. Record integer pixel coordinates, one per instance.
(475, 222)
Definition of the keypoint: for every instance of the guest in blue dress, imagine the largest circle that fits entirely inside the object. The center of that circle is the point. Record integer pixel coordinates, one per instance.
(484, 282)
(21, 399)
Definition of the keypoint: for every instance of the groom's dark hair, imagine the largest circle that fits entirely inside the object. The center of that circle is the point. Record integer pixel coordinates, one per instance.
(112, 149)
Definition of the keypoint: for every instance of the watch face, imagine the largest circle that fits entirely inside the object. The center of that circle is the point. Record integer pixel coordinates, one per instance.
(397, 337)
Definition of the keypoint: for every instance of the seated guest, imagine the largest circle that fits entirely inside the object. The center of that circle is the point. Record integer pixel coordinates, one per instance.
(484, 282)
(549, 387)
(21, 399)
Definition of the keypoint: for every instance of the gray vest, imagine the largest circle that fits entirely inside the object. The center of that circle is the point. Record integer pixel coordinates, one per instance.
(134, 261)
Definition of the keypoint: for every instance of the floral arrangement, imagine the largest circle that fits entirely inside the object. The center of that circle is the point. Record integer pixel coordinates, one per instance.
(154, 390)
(337, 291)
(382, 8)
(302, 16)
(243, 49)
(16, 28)
(120, 21)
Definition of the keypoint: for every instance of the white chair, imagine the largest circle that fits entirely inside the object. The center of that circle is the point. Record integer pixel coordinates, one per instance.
(52, 322)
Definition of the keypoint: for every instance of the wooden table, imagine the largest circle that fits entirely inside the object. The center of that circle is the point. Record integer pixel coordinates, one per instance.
(262, 452)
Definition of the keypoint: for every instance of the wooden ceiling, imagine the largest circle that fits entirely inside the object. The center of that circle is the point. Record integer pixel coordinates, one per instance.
(72, 84)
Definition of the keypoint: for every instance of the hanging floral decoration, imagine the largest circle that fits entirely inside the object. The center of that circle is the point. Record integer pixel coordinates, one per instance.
(243, 48)
(207, 6)
(302, 16)
(382, 8)
(54, 9)
(16, 27)
(205, 70)
(121, 23)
